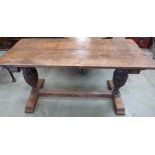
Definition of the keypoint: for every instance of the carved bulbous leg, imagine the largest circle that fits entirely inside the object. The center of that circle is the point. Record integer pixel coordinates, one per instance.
(31, 77)
(120, 77)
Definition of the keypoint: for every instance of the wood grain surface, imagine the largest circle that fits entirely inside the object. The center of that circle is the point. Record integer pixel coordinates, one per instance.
(74, 52)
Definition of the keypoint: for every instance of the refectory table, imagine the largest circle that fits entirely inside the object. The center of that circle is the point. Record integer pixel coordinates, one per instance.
(120, 54)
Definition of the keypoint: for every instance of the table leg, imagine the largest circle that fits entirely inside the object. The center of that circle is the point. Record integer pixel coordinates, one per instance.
(31, 78)
(11, 74)
(120, 77)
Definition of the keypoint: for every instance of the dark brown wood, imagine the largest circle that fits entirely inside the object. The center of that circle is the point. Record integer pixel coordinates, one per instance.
(120, 77)
(143, 42)
(33, 98)
(8, 42)
(4, 43)
(67, 93)
(134, 71)
(14, 69)
(118, 102)
(74, 52)
(31, 76)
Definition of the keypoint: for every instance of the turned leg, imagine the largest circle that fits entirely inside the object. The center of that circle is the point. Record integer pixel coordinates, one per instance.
(31, 78)
(120, 77)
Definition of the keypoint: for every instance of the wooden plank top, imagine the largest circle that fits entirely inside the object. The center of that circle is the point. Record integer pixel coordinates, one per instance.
(73, 52)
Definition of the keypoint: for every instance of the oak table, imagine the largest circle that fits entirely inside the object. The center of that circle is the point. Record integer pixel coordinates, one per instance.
(120, 54)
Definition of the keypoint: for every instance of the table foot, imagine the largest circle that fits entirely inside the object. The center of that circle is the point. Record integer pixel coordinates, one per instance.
(118, 102)
(33, 98)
